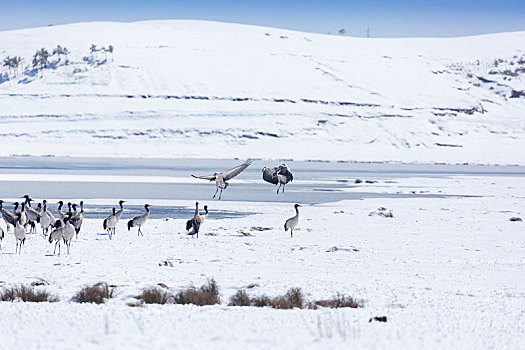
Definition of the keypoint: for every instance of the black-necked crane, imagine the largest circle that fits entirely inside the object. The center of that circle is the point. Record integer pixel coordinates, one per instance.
(110, 223)
(31, 213)
(205, 216)
(121, 210)
(69, 211)
(47, 219)
(280, 175)
(57, 235)
(61, 214)
(68, 233)
(23, 217)
(292, 222)
(194, 223)
(20, 233)
(140, 220)
(220, 178)
(9, 218)
(78, 218)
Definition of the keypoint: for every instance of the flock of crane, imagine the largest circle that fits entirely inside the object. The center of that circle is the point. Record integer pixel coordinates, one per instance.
(66, 225)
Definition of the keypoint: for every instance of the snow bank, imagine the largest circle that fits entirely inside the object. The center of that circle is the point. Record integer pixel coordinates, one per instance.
(195, 89)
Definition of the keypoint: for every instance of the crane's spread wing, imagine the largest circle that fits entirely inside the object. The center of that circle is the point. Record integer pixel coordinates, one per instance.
(207, 177)
(269, 176)
(230, 174)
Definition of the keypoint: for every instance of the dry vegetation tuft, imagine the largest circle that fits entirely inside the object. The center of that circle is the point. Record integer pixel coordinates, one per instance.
(240, 298)
(293, 298)
(97, 293)
(27, 294)
(207, 294)
(338, 301)
(154, 295)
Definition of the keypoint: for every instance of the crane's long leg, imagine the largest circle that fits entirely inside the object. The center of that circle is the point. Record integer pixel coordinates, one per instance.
(220, 195)
(278, 188)
(217, 190)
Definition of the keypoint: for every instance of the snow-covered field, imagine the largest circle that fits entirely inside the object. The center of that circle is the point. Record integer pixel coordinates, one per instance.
(195, 89)
(447, 272)
(446, 269)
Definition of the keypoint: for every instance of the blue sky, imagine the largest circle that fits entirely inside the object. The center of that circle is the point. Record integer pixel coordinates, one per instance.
(403, 18)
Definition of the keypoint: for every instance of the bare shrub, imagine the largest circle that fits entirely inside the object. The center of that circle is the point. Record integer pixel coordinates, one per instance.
(261, 301)
(154, 295)
(292, 299)
(97, 293)
(207, 294)
(27, 294)
(240, 298)
(338, 301)
(294, 296)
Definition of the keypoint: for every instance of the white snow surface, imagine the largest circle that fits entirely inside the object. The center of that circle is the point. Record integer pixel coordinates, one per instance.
(196, 89)
(447, 272)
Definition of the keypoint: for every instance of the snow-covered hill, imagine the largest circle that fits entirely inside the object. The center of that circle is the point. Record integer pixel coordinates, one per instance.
(206, 89)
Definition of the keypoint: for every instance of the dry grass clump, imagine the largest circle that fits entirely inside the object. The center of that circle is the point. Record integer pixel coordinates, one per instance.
(97, 293)
(261, 301)
(207, 294)
(240, 298)
(292, 299)
(154, 295)
(338, 301)
(27, 294)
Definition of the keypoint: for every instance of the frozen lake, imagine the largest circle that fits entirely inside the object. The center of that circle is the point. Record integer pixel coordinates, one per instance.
(94, 179)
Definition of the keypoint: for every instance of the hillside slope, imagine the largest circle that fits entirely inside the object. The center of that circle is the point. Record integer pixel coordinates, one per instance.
(206, 89)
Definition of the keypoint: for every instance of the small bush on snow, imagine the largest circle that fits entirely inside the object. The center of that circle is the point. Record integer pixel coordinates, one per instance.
(97, 293)
(27, 294)
(240, 298)
(207, 294)
(293, 298)
(338, 301)
(154, 295)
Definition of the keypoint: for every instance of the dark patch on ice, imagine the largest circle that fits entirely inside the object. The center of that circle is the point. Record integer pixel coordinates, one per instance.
(337, 249)
(447, 145)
